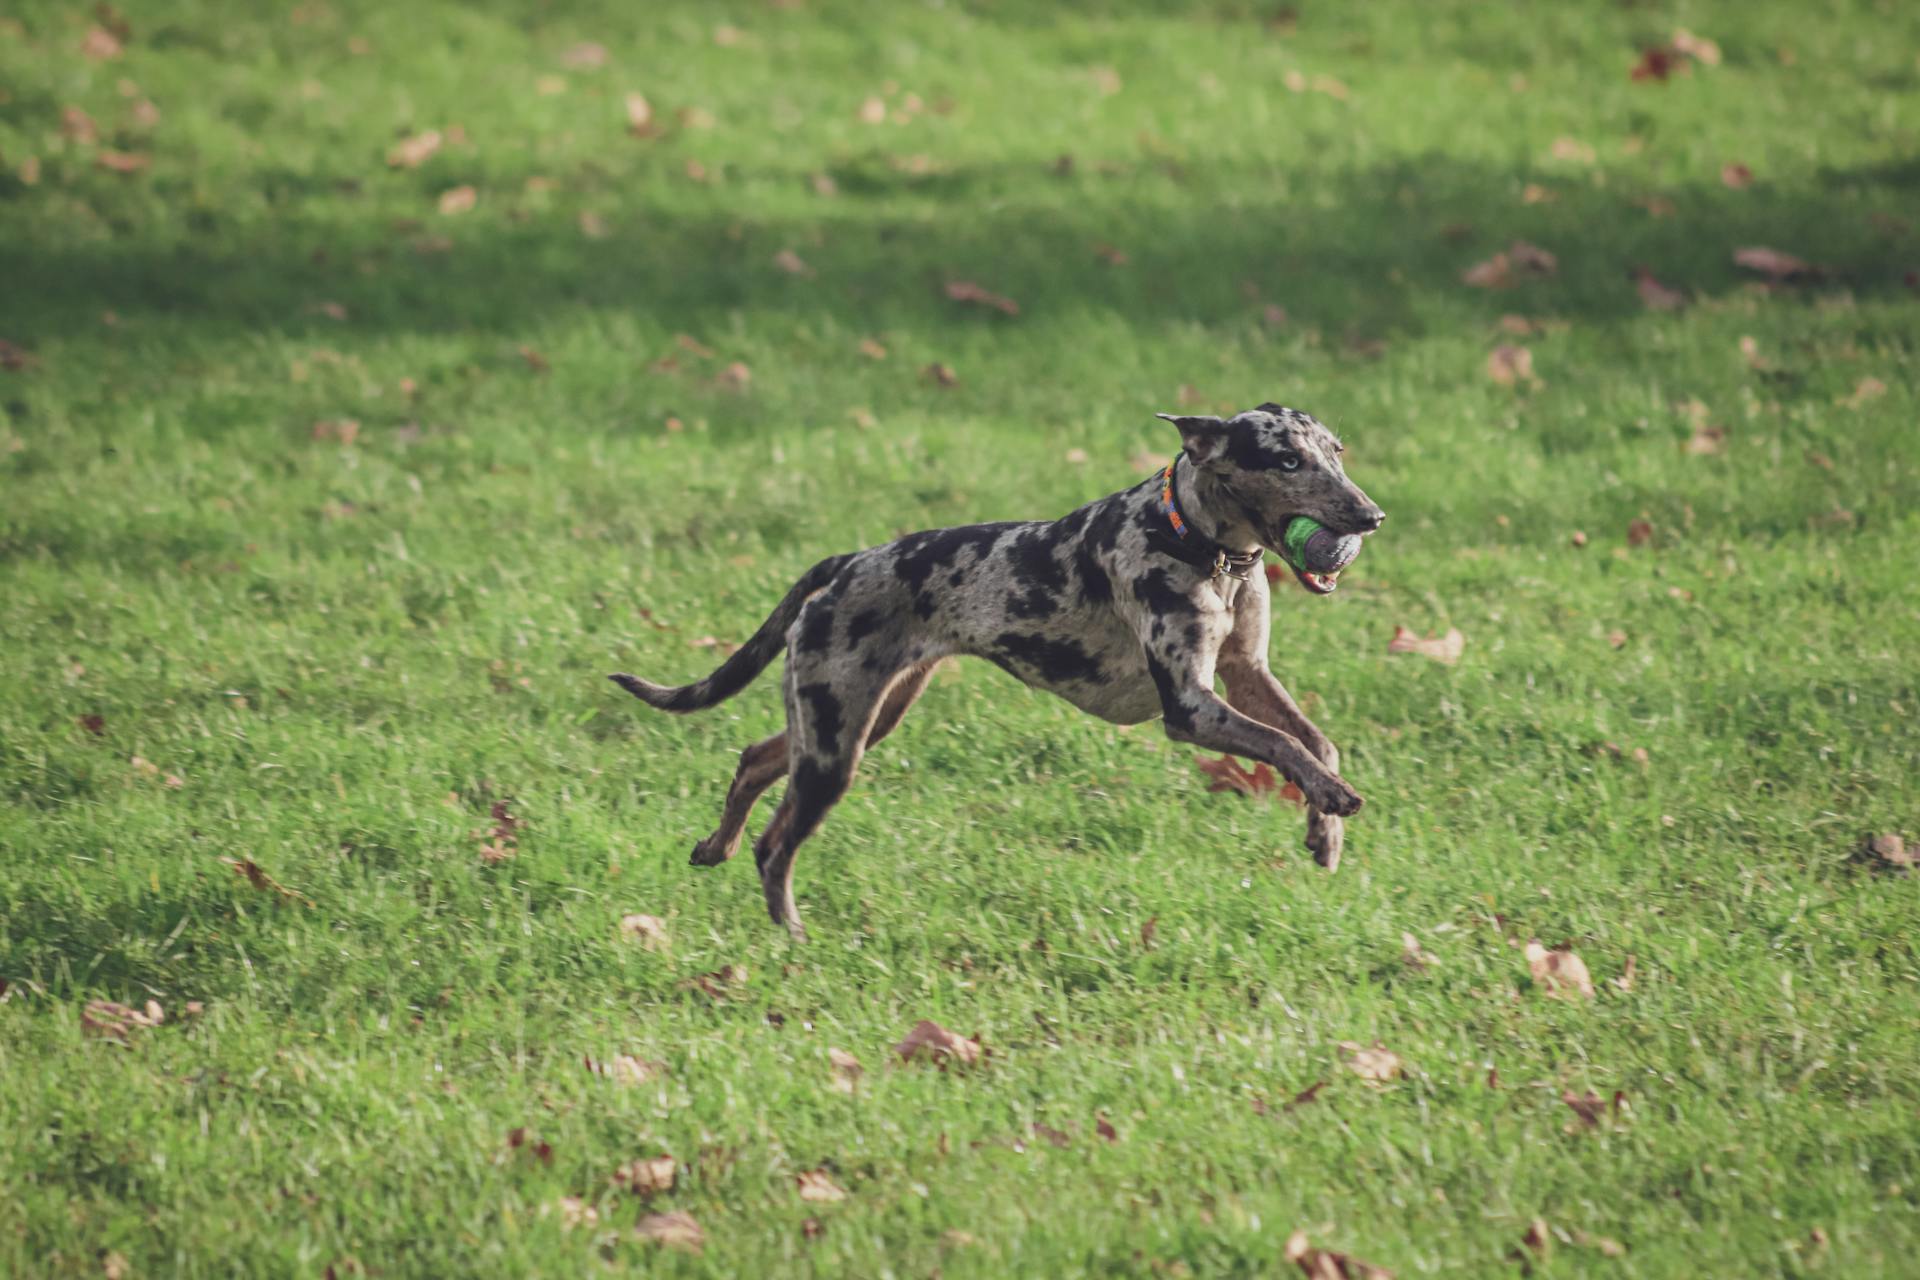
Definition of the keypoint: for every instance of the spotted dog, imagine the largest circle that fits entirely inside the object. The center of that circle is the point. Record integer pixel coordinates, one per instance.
(1128, 608)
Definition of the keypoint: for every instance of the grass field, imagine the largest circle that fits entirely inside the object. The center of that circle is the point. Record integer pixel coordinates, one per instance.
(327, 503)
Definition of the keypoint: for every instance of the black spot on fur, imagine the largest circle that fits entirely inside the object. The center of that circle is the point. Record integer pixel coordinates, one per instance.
(1155, 589)
(816, 626)
(1171, 707)
(862, 625)
(923, 604)
(825, 710)
(816, 786)
(1053, 660)
(919, 554)
(1095, 586)
(1040, 575)
(1192, 635)
(1248, 450)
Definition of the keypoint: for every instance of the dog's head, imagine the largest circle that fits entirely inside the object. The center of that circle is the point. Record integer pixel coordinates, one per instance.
(1275, 463)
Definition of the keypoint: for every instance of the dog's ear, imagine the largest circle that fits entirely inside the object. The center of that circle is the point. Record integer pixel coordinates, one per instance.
(1203, 436)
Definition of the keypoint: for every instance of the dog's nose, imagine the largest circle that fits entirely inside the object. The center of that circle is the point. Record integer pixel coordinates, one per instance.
(1372, 518)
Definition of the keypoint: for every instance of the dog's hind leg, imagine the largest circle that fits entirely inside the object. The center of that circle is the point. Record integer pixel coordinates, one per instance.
(1254, 691)
(761, 765)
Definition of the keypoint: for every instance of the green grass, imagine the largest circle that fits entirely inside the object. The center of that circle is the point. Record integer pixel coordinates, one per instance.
(347, 652)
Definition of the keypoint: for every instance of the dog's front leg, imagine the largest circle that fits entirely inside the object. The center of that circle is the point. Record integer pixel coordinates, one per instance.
(1255, 691)
(1194, 713)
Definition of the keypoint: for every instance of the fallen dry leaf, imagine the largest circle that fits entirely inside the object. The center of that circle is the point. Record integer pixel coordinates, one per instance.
(941, 375)
(1326, 1264)
(1655, 295)
(1707, 438)
(1696, 47)
(1625, 981)
(336, 430)
(818, 1187)
(575, 1212)
(931, 1042)
(1617, 638)
(521, 1139)
(872, 349)
(968, 291)
(649, 931)
(1589, 1107)
(114, 1266)
(719, 984)
(1538, 1239)
(1104, 1129)
(846, 1070)
(116, 1021)
(873, 110)
(123, 161)
(1444, 648)
(1770, 262)
(77, 126)
(584, 56)
(100, 44)
(1229, 774)
(413, 151)
(734, 377)
(1411, 954)
(625, 1069)
(1656, 63)
(645, 1177)
(791, 263)
(676, 1230)
(639, 114)
(250, 871)
(1866, 389)
(1639, 532)
(1565, 148)
(1890, 850)
(1376, 1063)
(458, 199)
(1309, 1094)
(1736, 176)
(1508, 365)
(1559, 973)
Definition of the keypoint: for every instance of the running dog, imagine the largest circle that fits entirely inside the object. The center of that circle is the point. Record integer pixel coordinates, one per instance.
(1128, 608)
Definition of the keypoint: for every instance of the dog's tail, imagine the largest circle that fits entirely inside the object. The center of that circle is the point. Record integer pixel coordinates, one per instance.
(746, 662)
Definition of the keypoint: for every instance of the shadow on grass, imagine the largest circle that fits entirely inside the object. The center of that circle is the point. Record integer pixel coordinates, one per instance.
(1374, 254)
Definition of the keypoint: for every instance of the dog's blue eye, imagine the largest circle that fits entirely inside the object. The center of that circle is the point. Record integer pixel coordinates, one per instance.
(1289, 462)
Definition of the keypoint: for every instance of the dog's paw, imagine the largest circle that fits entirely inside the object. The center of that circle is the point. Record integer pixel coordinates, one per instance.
(1325, 836)
(709, 854)
(1337, 798)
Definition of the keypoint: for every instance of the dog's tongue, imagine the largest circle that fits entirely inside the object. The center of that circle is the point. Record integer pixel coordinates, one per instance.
(1319, 584)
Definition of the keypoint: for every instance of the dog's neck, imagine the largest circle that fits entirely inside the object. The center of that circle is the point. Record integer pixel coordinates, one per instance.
(1206, 505)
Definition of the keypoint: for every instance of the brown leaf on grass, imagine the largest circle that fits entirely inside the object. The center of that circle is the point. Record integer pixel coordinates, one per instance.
(77, 126)
(968, 291)
(1565, 148)
(1518, 261)
(676, 1230)
(735, 377)
(1656, 63)
(649, 931)
(624, 1069)
(719, 984)
(250, 871)
(1229, 774)
(584, 56)
(117, 1021)
(414, 150)
(846, 1070)
(1412, 956)
(114, 1266)
(1559, 973)
(1624, 982)
(639, 115)
(460, 199)
(1639, 532)
(941, 375)
(1327, 1264)
(1376, 1063)
(931, 1042)
(336, 430)
(1654, 295)
(522, 1139)
(1309, 1094)
(1866, 389)
(1770, 262)
(575, 1212)
(100, 45)
(14, 358)
(1103, 1128)
(1696, 47)
(645, 1177)
(792, 263)
(94, 723)
(1707, 438)
(1444, 648)
(1617, 638)
(1590, 1106)
(1110, 255)
(1736, 176)
(816, 1186)
(812, 1228)
(1890, 850)
(123, 161)
(1508, 365)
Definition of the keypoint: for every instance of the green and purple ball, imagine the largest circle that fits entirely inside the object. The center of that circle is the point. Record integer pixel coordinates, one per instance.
(1316, 553)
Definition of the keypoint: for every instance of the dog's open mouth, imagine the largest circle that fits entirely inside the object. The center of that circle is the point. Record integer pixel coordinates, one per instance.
(1321, 584)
